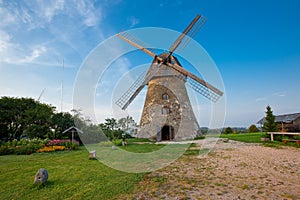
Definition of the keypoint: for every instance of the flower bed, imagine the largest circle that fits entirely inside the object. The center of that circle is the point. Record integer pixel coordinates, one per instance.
(51, 149)
(60, 142)
(22, 147)
(59, 145)
(29, 146)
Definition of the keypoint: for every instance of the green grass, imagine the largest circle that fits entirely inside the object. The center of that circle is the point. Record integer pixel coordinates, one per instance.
(71, 176)
(255, 138)
(142, 148)
(244, 137)
(131, 140)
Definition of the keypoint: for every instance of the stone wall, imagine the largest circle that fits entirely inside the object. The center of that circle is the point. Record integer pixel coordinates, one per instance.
(180, 114)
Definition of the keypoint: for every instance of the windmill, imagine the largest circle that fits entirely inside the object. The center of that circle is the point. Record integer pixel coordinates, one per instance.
(167, 112)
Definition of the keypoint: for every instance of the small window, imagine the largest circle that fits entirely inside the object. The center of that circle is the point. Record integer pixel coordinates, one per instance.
(165, 111)
(165, 96)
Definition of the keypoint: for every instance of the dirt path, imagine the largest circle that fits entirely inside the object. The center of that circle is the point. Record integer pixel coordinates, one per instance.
(233, 170)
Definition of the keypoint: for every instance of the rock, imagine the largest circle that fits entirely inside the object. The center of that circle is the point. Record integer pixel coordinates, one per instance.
(114, 147)
(93, 154)
(41, 176)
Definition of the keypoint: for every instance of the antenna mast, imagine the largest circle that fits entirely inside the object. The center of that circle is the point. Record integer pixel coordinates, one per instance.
(62, 85)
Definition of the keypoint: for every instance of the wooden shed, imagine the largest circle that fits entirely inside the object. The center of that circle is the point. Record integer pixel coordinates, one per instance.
(286, 123)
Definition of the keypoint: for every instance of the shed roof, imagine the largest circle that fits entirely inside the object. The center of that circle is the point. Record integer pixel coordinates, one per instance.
(73, 128)
(287, 118)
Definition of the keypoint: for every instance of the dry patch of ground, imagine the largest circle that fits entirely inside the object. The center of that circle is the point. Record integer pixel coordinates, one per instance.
(233, 170)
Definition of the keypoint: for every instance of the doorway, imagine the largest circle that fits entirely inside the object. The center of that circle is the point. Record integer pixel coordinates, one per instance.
(167, 133)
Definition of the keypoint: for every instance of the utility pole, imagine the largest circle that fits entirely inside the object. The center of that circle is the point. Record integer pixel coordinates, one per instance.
(62, 86)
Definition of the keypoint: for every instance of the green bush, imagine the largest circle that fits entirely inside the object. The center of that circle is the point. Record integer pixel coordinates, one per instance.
(199, 137)
(73, 146)
(6, 150)
(22, 147)
(117, 142)
(265, 135)
(227, 130)
(23, 150)
(296, 137)
(278, 137)
(106, 144)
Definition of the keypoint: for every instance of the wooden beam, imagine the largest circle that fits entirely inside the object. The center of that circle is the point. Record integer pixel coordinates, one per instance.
(199, 80)
(150, 53)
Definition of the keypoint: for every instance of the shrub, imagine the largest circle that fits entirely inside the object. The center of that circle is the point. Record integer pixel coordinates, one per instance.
(265, 135)
(6, 150)
(278, 137)
(253, 129)
(199, 137)
(228, 130)
(106, 144)
(296, 137)
(23, 150)
(117, 142)
(29, 146)
(22, 147)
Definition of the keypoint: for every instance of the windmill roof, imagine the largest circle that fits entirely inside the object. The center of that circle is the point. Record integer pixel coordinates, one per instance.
(287, 118)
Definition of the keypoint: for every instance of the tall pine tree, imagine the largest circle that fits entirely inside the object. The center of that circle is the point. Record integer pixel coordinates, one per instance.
(270, 125)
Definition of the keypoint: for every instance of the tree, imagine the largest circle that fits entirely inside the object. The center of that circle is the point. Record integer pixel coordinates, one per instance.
(24, 116)
(228, 130)
(37, 120)
(270, 125)
(128, 125)
(28, 117)
(253, 129)
(110, 127)
(111, 123)
(59, 123)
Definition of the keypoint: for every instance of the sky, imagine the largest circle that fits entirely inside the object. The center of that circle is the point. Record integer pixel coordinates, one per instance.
(254, 44)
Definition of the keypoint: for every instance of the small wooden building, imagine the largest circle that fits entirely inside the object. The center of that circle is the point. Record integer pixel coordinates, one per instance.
(286, 123)
(73, 130)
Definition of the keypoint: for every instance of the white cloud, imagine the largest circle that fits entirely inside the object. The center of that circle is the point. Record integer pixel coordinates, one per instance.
(39, 14)
(4, 41)
(91, 15)
(13, 53)
(20, 19)
(53, 8)
(36, 53)
(45, 10)
(7, 17)
(279, 94)
(133, 21)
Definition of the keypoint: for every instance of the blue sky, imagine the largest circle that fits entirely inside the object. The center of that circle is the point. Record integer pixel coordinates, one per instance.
(255, 45)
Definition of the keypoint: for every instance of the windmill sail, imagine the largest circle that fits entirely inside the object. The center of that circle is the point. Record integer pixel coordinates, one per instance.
(132, 92)
(135, 42)
(186, 40)
(137, 86)
(191, 30)
(199, 85)
(203, 90)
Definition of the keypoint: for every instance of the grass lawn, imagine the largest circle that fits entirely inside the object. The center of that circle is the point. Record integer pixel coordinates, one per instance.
(71, 176)
(133, 140)
(255, 138)
(244, 137)
(142, 148)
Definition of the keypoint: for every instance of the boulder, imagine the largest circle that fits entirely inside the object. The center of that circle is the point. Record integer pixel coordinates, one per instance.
(41, 176)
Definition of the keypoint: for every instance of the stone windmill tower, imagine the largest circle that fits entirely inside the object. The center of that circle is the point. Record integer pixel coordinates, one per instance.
(167, 112)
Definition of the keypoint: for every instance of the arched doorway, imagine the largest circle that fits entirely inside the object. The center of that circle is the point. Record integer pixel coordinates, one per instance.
(167, 133)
